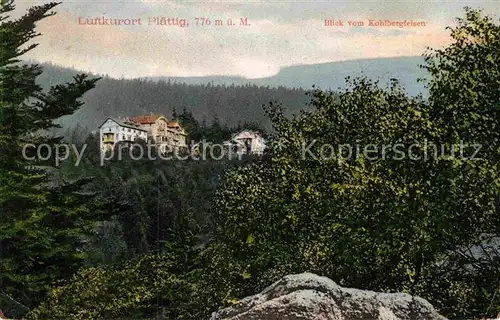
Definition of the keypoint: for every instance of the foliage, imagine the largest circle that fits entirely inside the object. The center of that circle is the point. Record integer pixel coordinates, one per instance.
(382, 220)
(135, 290)
(41, 221)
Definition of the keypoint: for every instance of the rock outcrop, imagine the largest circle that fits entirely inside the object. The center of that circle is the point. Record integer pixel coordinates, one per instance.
(310, 297)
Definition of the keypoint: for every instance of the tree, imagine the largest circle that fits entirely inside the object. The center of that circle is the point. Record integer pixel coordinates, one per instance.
(143, 288)
(391, 221)
(464, 105)
(41, 221)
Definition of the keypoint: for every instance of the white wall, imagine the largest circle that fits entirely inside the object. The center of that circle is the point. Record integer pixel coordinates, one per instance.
(257, 143)
(108, 127)
(120, 133)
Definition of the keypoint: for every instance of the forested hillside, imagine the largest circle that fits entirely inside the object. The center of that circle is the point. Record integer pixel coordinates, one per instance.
(230, 99)
(230, 104)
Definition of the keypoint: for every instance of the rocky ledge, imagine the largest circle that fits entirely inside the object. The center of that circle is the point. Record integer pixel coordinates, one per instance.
(307, 296)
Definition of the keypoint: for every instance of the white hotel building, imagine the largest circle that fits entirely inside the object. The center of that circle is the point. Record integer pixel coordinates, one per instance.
(115, 130)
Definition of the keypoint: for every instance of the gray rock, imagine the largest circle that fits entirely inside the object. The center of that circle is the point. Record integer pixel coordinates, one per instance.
(307, 296)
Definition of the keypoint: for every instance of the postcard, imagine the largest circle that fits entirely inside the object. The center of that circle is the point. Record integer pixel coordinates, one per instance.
(249, 159)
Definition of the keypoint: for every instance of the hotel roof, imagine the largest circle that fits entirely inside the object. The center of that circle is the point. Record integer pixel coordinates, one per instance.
(124, 123)
(145, 119)
(173, 124)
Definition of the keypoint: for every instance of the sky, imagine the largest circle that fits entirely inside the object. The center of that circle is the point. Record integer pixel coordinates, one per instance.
(278, 34)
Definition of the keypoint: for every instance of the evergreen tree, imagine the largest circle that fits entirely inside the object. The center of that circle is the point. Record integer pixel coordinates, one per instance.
(42, 221)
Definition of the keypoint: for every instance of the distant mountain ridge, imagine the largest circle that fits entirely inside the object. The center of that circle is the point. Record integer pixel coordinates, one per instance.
(229, 99)
(331, 75)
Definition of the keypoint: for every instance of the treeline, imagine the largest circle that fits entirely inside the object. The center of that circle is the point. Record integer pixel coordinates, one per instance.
(122, 97)
(216, 131)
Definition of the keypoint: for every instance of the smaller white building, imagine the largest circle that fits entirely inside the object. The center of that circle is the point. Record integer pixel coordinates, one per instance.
(114, 130)
(250, 142)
